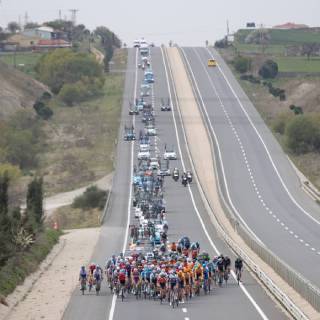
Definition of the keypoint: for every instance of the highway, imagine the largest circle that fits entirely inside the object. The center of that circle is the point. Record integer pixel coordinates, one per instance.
(270, 203)
(186, 216)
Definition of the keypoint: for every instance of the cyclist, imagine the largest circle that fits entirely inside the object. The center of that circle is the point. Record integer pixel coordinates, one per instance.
(220, 269)
(197, 276)
(122, 279)
(135, 280)
(162, 281)
(83, 278)
(173, 247)
(92, 267)
(173, 281)
(206, 277)
(227, 263)
(238, 264)
(181, 284)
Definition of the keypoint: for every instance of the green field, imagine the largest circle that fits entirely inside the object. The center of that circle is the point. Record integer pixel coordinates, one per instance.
(255, 48)
(298, 64)
(24, 61)
(285, 37)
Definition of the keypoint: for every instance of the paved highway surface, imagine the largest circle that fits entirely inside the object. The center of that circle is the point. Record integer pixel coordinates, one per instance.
(246, 302)
(271, 202)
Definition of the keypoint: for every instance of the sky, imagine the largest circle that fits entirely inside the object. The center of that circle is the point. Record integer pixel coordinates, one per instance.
(186, 22)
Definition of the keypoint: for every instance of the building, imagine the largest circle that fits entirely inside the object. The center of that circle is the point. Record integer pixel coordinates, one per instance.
(44, 44)
(290, 25)
(41, 32)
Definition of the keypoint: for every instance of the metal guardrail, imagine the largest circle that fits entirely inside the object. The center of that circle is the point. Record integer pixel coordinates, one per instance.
(294, 279)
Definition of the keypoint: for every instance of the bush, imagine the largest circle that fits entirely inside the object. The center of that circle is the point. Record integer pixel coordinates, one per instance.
(250, 78)
(223, 43)
(91, 198)
(242, 64)
(70, 94)
(303, 134)
(269, 70)
(297, 110)
(280, 123)
(23, 263)
(63, 66)
(43, 111)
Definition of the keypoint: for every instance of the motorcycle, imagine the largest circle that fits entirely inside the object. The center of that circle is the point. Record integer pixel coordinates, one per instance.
(189, 177)
(184, 181)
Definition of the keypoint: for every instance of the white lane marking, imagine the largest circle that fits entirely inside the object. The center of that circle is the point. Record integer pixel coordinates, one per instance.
(254, 303)
(220, 157)
(222, 106)
(265, 146)
(184, 310)
(114, 298)
(186, 318)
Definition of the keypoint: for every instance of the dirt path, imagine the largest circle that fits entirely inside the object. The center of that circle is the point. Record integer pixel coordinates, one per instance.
(99, 55)
(200, 149)
(66, 198)
(46, 293)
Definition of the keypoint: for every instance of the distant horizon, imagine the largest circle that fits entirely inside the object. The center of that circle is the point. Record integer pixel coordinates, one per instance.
(183, 22)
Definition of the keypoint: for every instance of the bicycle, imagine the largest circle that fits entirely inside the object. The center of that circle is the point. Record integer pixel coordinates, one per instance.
(226, 276)
(83, 285)
(238, 274)
(174, 297)
(122, 290)
(206, 286)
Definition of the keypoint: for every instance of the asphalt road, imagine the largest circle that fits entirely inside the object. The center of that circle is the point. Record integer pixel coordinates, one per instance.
(271, 202)
(223, 303)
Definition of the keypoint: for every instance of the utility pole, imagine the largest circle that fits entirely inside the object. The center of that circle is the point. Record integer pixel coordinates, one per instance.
(26, 18)
(74, 16)
(228, 30)
(60, 15)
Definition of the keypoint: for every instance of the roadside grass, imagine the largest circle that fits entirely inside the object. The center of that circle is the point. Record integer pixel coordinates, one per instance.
(24, 61)
(81, 139)
(256, 49)
(68, 217)
(298, 64)
(24, 263)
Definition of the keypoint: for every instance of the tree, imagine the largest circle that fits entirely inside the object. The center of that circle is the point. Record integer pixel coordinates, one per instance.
(35, 200)
(5, 223)
(63, 66)
(310, 49)
(242, 64)
(43, 111)
(31, 25)
(269, 70)
(13, 27)
(303, 134)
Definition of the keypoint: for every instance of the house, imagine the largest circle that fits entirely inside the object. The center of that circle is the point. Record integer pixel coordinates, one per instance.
(23, 42)
(290, 25)
(42, 32)
(44, 44)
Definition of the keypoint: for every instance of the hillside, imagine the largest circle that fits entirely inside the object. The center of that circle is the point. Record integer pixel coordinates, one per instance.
(17, 91)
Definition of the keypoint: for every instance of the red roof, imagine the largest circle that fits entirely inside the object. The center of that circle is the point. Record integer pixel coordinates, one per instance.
(291, 25)
(54, 43)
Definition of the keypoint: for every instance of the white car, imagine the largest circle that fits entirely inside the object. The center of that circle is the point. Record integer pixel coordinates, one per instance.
(144, 155)
(136, 43)
(170, 155)
(151, 131)
(144, 147)
(154, 164)
(137, 213)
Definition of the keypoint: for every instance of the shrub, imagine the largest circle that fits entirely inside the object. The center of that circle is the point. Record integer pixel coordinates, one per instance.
(280, 123)
(250, 78)
(91, 198)
(70, 94)
(297, 110)
(303, 134)
(43, 111)
(269, 70)
(242, 64)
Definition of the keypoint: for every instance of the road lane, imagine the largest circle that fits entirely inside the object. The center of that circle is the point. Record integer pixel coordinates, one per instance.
(182, 221)
(263, 202)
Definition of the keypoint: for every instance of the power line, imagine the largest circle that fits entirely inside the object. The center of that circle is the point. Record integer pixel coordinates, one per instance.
(74, 15)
